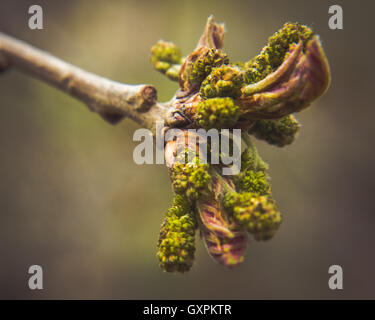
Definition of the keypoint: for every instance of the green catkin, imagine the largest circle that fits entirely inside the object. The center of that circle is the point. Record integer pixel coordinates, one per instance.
(274, 53)
(224, 81)
(203, 66)
(259, 215)
(228, 79)
(176, 245)
(253, 177)
(166, 58)
(255, 182)
(217, 113)
(276, 132)
(215, 93)
(190, 178)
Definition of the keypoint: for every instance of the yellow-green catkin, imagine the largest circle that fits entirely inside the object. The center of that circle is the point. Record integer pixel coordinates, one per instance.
(280, 132)
(176, 245)
(217, 113)
(203, 66)
(166, 58)
(259, 215)
(274, 53)
(224, 81)
(252, 206)
(190, 178)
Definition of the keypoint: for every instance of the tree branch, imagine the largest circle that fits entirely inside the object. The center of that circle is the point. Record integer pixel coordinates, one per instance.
(111, 99)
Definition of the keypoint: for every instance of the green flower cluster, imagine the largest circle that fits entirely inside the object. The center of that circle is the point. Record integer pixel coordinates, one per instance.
(215, 93)
(203, 66)
(227, 80)
(176, 245)
(253, 176)
(224, 81)
(280, 132)
(255, 182)
(217, 113)
(274, 53)
(252, 207)
(190, 178)
(166, 58)
(209, 71)
(258, 214)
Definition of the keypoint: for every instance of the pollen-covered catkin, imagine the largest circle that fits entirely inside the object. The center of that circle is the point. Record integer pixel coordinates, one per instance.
(166, 58)
(224, 81)
(190, 178)
(176, 245)
(217, 113)
(259, 215)
(202, 67)
(275, 52)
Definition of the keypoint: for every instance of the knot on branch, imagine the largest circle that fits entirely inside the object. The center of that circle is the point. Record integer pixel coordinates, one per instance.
(140, 98)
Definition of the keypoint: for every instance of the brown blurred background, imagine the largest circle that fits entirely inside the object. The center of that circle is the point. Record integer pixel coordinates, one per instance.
(73, 201)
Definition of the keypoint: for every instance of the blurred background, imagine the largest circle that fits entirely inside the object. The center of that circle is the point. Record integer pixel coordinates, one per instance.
(73, 201)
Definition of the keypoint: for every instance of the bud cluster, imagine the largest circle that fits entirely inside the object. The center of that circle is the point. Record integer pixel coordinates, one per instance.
(258, 97)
